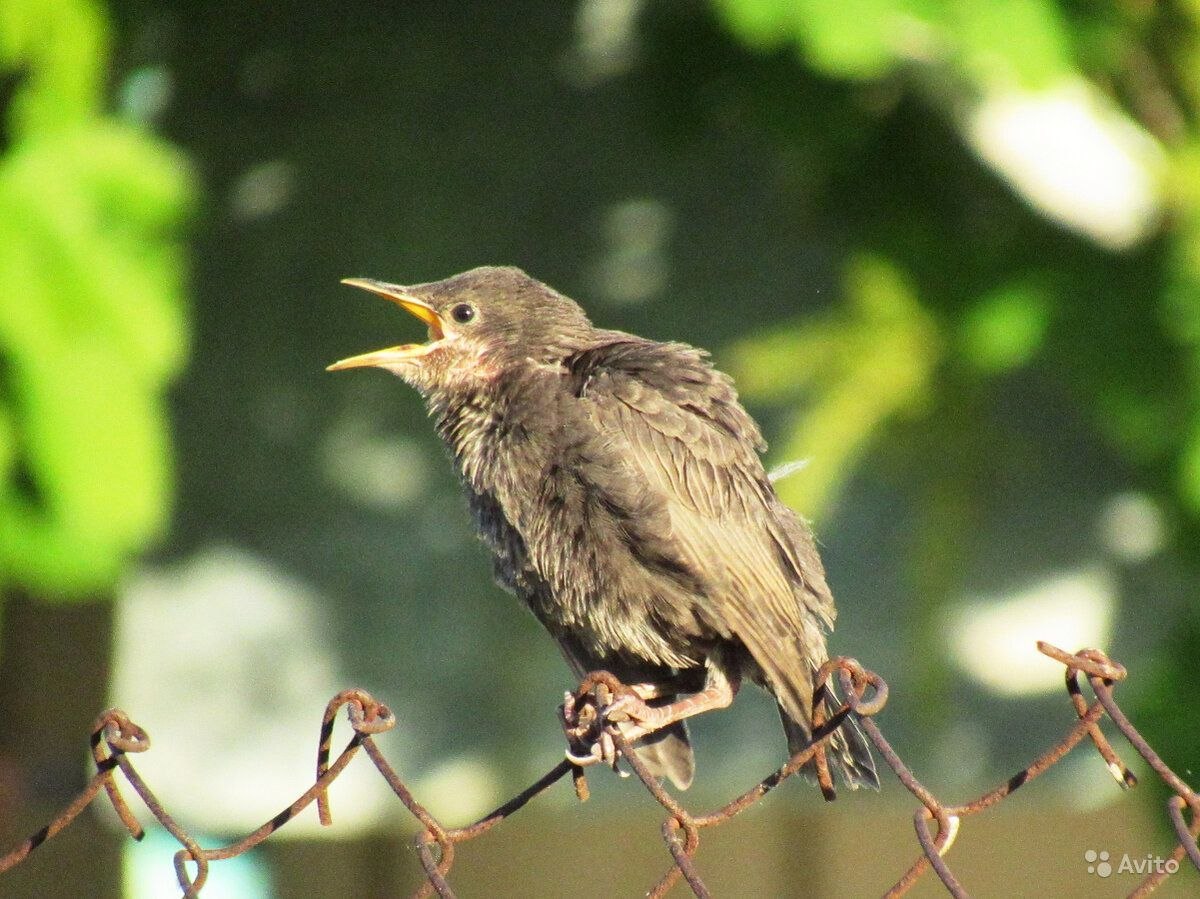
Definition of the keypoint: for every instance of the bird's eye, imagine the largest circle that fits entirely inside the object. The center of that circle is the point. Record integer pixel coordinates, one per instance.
(463, 313)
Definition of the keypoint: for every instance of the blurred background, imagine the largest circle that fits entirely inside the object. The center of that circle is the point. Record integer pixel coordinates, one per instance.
(950, 251)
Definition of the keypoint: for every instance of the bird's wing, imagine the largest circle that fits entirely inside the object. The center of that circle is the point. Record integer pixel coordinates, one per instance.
(681, 434)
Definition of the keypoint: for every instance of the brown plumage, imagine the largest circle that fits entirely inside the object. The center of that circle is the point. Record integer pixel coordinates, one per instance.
(618, 483)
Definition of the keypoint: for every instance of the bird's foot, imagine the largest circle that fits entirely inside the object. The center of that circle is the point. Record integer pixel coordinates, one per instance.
(584, 717)
(603, 752)
(636, 717)
(604, 707)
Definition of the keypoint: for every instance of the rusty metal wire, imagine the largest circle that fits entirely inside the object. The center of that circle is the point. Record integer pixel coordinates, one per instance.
(115, 738)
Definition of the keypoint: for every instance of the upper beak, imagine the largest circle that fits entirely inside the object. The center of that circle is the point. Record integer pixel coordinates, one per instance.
(408, 303)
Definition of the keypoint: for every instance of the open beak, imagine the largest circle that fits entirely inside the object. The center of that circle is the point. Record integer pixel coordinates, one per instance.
(404, 352)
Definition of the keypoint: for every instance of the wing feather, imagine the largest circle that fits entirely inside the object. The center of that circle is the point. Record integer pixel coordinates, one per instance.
(677, 425)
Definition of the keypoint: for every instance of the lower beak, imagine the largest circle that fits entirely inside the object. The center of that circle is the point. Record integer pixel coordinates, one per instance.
(397, 354)
(383, 358)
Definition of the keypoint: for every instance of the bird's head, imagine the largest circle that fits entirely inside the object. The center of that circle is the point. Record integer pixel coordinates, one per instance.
(481, 324)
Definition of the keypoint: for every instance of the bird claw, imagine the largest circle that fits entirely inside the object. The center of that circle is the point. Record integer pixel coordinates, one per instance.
(592, 757)
(603, 752)
(589, 741)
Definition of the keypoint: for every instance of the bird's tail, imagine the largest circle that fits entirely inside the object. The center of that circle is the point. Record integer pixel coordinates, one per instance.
(668, 752)
(849, 755)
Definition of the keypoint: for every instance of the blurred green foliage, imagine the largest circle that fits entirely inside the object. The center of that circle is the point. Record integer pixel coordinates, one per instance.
(870, 38)
(951, 55)
(870, 358)
(92, 324)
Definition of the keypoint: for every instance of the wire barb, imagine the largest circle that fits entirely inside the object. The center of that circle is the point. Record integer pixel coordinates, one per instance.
(115, 737)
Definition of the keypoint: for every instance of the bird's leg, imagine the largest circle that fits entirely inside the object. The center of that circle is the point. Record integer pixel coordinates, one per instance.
(584, 720)
(718, 693)
(604, 750)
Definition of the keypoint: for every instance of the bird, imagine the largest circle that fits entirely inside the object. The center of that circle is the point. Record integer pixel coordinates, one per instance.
(619, 485)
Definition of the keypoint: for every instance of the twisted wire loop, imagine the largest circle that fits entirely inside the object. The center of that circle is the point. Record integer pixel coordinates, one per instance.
(115, 738)
(367, 716)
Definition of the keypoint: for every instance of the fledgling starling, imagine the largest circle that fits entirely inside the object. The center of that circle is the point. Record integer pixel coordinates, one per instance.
(618, 483)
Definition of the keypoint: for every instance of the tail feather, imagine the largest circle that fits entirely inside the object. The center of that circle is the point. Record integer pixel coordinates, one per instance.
(849, 755)
(668, 753)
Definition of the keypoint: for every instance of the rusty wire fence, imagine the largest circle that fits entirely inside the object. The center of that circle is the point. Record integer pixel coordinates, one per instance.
(115, 739)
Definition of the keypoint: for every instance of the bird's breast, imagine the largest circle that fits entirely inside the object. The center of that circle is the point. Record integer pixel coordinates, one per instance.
(572, 533)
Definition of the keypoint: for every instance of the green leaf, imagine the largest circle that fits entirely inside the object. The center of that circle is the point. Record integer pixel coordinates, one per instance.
(91, 319)
(61, 46)
(1019, 43)
(92, 323)
(1006, 328)
(846, 38)
(869, 360)
(1189, 471)
(1010, 43)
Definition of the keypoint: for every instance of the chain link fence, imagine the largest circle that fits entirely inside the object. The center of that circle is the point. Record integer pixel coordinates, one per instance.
(116, 739)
